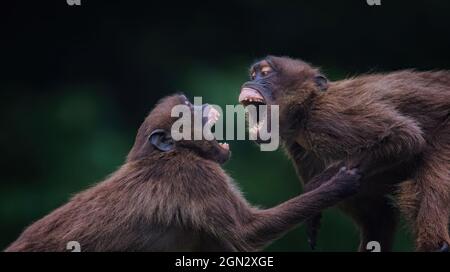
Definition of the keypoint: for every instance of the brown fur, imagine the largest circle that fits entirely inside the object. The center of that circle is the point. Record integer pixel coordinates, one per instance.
(178, 200)
(395, 127)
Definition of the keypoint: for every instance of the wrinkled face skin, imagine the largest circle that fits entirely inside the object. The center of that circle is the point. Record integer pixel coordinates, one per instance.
(281, 81)
(154, 136)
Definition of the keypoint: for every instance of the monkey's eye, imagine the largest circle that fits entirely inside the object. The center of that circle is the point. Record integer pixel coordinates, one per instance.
(265, 70)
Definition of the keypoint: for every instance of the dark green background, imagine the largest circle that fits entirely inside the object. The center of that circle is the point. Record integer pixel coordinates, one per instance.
(76, 82)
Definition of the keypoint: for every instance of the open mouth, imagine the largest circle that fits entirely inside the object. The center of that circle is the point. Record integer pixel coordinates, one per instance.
(250, 96)
(212, 116)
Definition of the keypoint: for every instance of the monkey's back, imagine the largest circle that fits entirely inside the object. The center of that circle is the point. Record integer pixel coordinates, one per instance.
(422, 96)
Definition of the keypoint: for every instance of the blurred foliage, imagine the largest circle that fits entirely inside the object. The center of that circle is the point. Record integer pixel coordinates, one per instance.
(77, 81)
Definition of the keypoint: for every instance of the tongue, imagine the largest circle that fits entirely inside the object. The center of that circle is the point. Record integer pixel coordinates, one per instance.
(247, 93)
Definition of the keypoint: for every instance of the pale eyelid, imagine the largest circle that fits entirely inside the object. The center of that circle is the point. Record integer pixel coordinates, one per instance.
(266, 69)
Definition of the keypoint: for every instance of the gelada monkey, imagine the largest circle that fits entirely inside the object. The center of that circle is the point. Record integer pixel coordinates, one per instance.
(174, 196)
(395, 127)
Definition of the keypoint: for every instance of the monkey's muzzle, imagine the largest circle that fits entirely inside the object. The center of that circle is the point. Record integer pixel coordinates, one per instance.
(210, 117)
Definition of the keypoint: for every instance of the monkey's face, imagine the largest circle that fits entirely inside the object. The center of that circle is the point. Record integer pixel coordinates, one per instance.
(281, 81)
(156, 135)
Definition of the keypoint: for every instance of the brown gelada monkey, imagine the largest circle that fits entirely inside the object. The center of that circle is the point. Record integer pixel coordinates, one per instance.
(174, 196)
(394, 127)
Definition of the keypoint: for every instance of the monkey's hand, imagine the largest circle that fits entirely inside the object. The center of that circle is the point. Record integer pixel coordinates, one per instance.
(346, 182)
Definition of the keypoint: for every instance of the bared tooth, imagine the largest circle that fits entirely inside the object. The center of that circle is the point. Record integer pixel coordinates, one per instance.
(247, 92)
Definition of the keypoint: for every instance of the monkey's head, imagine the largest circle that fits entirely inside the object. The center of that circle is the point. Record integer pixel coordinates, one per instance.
(155, 136)
(291, 84)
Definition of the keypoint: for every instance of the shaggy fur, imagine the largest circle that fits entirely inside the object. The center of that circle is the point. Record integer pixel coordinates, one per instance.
(395, 127)
(179, 200)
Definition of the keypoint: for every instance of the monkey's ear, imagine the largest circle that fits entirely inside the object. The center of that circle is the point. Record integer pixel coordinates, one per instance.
(321, 82)
(161, 140)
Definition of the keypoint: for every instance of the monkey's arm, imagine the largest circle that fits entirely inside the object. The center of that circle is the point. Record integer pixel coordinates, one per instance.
(270, 224)
(307, 165)
(377, 143)
(371, 136)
